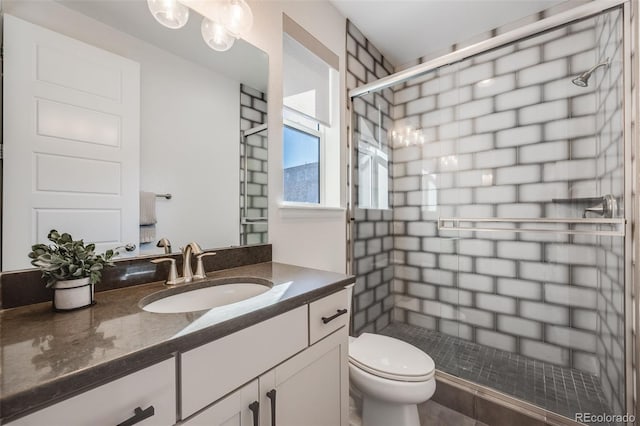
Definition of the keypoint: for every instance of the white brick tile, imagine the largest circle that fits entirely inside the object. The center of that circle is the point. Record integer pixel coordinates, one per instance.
(497, 267)
(518, 98)
(421, 105)
(406, 95)
(494, 86)
(437, 85)
(437, 117)
(520, 288)
(521, 250)
(455, 296)
(519, 210)
(544, 352)
(455, 196)
(438, 245)
(519, 326)
(544, 112)
(475, 282)
(475, 210)
(421, 290)
(495, 158)
(543, 192)
(421, 229)
(518, 136)
(571, 254)
(407, 273)
(496, 340)
(570, 295)
(409, 183)
(543, 38)
(475, 247)
(476, 317)
(586, 276)
(543, 312)
(586, 362)
(585, 319)
(541, 271)
(475, 73)
(583, 105)
(366, 59)
(474, 109)
(454, 328)
(569, 45)
(450, 163)
(356, 68)
(544, 72)
(517, 174)
(515, 61)
(494, 54)
(496, 194)
(407, 243)
(581, 62)
(571, 337)
(473, 178)
(438, 276)
(544, 152)
(474, 143)
(456, 96)
(497, 121)
(454, 262)
(421, 259)
(570, 170)
(455, 129)
(438, 309)
(419, 320)
(408, 303)
(406, 154)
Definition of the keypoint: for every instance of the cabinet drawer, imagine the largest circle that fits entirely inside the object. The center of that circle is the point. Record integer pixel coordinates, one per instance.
(213, 370)
(327, 315)
(115, 402)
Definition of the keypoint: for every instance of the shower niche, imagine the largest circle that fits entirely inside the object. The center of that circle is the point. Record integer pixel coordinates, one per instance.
(508, 248)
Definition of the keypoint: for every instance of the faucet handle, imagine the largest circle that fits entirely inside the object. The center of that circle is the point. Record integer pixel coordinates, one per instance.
(172, 279)
(200, 273)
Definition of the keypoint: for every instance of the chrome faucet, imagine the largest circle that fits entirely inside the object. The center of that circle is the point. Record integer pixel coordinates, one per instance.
(187, 251)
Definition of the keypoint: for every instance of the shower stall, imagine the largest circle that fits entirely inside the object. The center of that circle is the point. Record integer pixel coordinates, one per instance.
(491, 210)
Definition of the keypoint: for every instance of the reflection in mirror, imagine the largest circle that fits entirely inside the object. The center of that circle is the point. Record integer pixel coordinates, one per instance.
(121, 131)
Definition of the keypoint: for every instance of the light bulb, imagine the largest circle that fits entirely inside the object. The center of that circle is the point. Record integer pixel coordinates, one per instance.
(169, 13)
(237, 17)
(216, 35)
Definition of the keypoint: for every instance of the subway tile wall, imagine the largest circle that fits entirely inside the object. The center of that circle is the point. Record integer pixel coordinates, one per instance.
(253, 112)
(372, 234)
(506, 132)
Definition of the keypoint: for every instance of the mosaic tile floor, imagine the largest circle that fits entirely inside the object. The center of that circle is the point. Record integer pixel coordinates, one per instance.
(562, 390)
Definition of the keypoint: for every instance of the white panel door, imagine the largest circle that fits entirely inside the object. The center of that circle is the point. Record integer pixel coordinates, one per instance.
(71, 117)
(240, 408)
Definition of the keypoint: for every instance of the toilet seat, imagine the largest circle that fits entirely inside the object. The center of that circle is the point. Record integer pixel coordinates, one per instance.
(390, 358)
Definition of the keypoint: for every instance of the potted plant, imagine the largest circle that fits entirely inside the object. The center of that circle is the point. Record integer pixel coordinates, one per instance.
(71, 268)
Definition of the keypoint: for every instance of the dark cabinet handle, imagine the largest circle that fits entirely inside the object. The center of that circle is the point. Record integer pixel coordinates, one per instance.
(334, 316)
(139, 415)
(255, 408)
(272, 396)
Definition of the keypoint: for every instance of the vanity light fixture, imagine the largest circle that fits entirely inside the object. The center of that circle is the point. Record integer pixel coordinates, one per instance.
(231, 19)
(169, 13)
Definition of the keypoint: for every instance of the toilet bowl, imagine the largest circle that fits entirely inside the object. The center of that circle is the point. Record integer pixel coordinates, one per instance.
(392, 377)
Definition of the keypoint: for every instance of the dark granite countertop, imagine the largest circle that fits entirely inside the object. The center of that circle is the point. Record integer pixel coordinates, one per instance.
(47, 356)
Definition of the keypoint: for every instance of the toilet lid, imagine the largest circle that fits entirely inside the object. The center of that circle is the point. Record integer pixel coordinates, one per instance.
(391, 358)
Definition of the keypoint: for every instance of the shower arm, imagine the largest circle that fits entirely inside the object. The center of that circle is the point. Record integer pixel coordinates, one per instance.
(605, 206)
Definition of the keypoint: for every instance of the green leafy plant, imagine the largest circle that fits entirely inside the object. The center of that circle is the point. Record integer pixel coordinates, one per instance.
(67, 259)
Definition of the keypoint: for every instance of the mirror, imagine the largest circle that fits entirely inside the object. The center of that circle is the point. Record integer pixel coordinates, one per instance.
(120, 131)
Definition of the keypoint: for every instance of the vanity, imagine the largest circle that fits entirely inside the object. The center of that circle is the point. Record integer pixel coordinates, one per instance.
(279, 358)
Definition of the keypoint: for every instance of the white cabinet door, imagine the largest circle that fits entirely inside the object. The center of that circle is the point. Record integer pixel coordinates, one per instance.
(237, 409)
(148, 395)
(311, 389)
(71, 123)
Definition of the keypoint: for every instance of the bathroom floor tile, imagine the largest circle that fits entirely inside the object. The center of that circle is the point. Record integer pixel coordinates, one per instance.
(562, 390)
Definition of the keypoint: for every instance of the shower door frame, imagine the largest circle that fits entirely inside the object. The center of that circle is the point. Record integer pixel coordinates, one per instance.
(632, 234)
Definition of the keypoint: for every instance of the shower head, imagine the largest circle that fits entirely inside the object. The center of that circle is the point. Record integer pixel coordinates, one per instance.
(583, 79)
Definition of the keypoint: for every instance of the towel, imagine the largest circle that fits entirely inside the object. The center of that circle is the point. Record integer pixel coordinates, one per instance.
(147, 217)
(147, 234)
(147, 208)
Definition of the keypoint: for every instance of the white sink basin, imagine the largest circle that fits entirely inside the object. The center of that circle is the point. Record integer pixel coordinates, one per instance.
(210, 297)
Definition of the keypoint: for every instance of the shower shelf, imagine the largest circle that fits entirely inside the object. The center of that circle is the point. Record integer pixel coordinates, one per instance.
(454, 224)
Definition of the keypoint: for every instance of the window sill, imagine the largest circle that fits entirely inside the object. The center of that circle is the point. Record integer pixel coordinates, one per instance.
(294, 210)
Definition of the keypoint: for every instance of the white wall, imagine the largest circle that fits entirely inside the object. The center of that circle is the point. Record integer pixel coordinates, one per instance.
(189, 129)
(308, 238)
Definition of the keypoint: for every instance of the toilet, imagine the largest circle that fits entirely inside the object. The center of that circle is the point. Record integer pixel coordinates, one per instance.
(392, 378)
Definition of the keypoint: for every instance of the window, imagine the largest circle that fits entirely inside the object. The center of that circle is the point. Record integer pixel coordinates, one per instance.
(311, 132)
(302, 155)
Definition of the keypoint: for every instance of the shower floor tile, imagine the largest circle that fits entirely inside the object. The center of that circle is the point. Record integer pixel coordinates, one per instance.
(562, 390)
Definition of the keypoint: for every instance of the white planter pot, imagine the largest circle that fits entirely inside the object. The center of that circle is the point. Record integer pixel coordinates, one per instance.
(72, 294)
